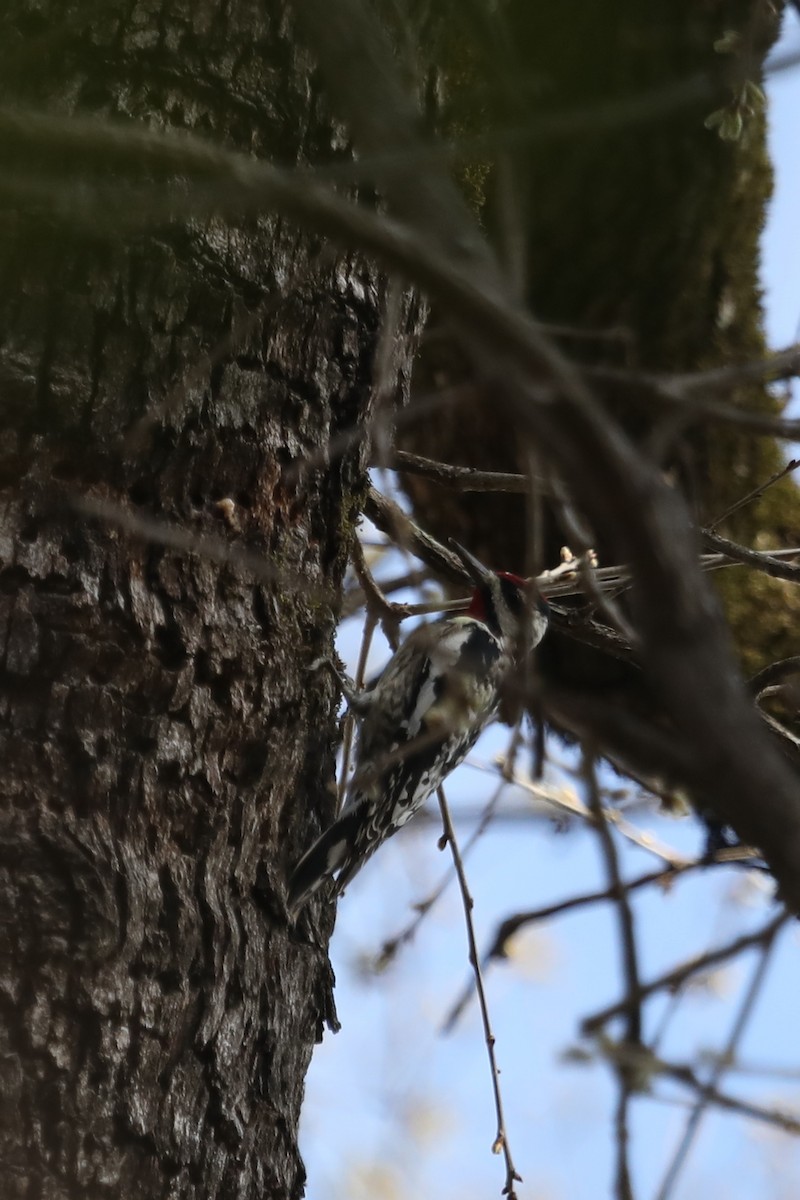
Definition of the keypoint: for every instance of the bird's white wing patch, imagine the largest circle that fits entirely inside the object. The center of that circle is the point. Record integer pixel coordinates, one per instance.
(443, 654)
(425, 700)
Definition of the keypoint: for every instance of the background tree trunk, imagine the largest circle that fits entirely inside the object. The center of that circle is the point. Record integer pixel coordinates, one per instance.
(161, 748)
(634, 230)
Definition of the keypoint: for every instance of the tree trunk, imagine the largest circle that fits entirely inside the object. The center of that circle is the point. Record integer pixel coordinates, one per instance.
(166, 755)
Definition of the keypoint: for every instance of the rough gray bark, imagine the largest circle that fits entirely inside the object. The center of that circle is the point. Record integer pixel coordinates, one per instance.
(163, 757)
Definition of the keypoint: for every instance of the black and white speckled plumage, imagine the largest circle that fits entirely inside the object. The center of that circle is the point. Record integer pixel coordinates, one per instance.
(419, 721)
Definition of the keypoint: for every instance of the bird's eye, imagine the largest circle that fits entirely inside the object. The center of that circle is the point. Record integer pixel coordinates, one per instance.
(514, 596)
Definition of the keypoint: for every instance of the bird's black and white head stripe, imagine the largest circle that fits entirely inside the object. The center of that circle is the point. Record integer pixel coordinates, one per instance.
(501, 600)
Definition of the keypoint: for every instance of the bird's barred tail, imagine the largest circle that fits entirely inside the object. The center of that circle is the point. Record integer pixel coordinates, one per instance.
(329, 852)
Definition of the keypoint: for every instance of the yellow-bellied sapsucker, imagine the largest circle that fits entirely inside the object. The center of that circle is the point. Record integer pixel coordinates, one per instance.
(421, 718)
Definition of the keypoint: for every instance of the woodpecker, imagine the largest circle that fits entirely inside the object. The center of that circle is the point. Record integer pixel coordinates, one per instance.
(421, 718)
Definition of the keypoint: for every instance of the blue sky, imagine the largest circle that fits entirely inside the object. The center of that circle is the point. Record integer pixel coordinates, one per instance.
(781, 242)
(397, 1110)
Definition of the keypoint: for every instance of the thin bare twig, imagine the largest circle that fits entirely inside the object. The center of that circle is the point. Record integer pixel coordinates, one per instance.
(739, 1025)
(391, 945)
(500, 1143)
(355, 597)
(769, 682)
(462, 479)
(384, 610)
(624, 1187)
(633, 1033)
(353, 435)
(778, 1118)
(619, 894)
(783, 364)
(775, 673)
(679, 975)
(562, 581)
(647, 1066)
(498, 947)
(663, 877)
(770, 564)
(391, 520)
(685, 394)
(568, 801)
(755, 493)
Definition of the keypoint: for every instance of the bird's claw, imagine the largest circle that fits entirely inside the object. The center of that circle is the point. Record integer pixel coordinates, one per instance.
(357, 700)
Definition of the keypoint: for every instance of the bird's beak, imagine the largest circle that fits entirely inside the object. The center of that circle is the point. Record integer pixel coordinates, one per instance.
(478, 573)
